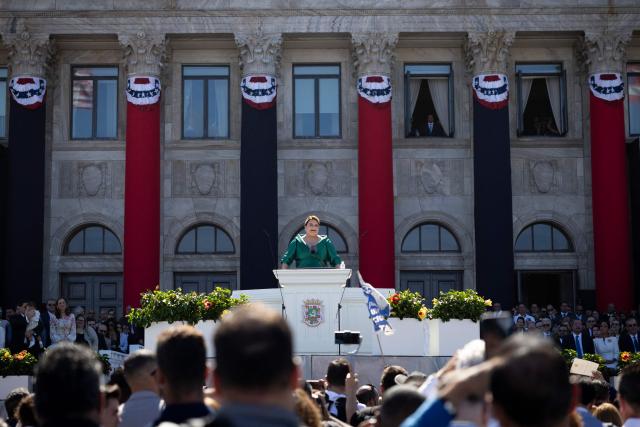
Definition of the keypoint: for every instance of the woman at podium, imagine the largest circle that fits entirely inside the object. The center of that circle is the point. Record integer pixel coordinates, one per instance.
(311, 250)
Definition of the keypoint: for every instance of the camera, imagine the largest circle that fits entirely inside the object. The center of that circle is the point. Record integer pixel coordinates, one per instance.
(348, 337)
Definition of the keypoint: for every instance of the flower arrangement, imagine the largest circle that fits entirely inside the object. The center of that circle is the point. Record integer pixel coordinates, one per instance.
(461, 305)
(16, 364)
(175, 305)
(627, 358)
(105, 363)
(569, 355)
(407, 304)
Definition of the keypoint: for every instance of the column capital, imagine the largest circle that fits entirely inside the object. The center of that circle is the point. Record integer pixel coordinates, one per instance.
(603, 51)
(143, 53)
(29, 53)
(488, 51)
(373, 53)
(259, 53)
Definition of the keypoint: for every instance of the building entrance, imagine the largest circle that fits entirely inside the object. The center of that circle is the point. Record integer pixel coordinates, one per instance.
(99, 293)
(546, 287)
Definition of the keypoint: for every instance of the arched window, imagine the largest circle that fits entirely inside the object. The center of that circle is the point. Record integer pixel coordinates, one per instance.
(430, 237)
(93, 240)
(543, 237)
(205, 239)
(336, 237)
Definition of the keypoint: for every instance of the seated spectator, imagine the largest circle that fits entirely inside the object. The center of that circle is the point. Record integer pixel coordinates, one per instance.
(630, 341)
(67, 387)
(522, 313)
(11, 402)
(578, 341)
(607, 346)
(181, 373)
(85, 335)
(629, 395)
(109, 412)
(607, 413)
(144, 404)
(398, 404)
(26, 412)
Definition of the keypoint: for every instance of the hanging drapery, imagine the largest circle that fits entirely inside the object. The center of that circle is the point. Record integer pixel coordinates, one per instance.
(553, 89)
(492, 188)
(142, 188)
(525, 84)
(439, 89)
(375, 181)
(258, 201)
(25, 191)
(610, 198)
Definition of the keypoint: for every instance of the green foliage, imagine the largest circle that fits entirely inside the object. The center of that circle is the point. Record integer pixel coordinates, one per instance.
(627, 358)
(461, 305)
(175, 305)
(569, 355)
(407, 304)
(104, 361)
(16, 364)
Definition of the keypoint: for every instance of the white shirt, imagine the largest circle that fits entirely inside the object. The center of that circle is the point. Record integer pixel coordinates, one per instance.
(632, 422)
(333, 396)
(526, 317)
(608, 348)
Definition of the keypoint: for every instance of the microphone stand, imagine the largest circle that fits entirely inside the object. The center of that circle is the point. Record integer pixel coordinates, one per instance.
(284, 308)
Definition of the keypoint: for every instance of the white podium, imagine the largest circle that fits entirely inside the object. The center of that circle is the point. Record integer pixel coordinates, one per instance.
(311, 299)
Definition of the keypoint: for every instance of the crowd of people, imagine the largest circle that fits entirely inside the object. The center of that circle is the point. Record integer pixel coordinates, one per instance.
(34, 328)
(504, 378)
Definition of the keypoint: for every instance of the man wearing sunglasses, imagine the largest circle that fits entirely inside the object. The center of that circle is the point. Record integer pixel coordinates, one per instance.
(629, 341)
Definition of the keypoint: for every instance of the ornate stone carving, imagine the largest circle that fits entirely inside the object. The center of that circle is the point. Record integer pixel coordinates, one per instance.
(429, 177)
(219, 178)
(488, 51)
(90, 179)
(318, 178)
(205, 178)
(603, 51)
(373, 53)
(144, 54)
(543, 175)
(259, 53)
(29, 53)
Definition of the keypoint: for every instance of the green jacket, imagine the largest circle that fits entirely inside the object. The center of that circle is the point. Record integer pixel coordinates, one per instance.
(298, 250)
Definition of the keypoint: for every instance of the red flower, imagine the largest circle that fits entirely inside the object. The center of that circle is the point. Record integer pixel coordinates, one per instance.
(395, 298)
(207, 305)
(625, 356)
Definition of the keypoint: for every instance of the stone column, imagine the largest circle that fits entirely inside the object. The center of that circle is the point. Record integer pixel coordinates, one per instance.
(373, 55)
(604, 54)
(29, 56)
(259, 61)
(486, 54)
(143, 58)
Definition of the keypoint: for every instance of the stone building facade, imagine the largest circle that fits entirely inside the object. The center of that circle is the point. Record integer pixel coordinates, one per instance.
(433, 176)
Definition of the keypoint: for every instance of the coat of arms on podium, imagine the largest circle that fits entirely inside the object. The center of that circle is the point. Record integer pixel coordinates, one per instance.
(312, 312)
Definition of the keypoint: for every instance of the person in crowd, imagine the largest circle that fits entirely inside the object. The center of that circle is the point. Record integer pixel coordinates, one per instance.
(562, 335)
(112, 338)
(101, 332)
(368, 395)
(11, 402)
(311, 250)
(26, 412)
(19, 324)
(578, 341)
(531, 327)
(387, 381)
(496, 309)
(341, 388)
(629, 395)
(565, 311)
(587, 395)
(67, 387)
(306, 409)
(630, 341)
(607, 346)
(596, 315)
(33, 342)
(579, 313)
(614, 330)
(181, 373)
(85, 335)
(63, 325)
(546, 326)
(398, 404)
(522, 313)
(144, 404)
(117, 378)
(45, 318)
(109, 410)
(589, 324)
(611, 310)
(608, 413)
(123, 338)
(519, 326)
(534, 311)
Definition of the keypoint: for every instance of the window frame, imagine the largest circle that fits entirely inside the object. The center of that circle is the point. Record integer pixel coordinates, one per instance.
(5, 97)
(440, 250)
(408, 114)
(331, 228)
(205, 107)
(552, 226)
(628, 87)
(195, 228)
(316, 92)
(563, 98)
(82, 229)
(94, 100)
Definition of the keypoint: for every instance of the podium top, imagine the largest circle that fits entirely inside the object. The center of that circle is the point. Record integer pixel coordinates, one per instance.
(309, 277)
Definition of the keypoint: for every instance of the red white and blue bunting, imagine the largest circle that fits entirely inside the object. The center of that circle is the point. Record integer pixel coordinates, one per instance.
(491, 90)
(28, 91)
(375, 89)
(607, 86)
(259, 90)
(143, 90)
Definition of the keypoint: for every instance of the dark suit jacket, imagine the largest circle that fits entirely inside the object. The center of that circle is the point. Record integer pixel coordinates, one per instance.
(587, 343)
(18, 327)
(436, 131)
(625, 343)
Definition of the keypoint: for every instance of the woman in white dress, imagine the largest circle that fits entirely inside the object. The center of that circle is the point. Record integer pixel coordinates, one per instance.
(607, 346)
(63, 324)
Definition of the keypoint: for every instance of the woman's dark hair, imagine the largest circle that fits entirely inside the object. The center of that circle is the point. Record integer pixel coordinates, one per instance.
(26, 411)
(67, 310)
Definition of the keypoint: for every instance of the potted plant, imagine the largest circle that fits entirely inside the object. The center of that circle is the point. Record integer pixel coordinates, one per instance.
(409, 338)
(159, 309)
(16, 370)
(453, 320)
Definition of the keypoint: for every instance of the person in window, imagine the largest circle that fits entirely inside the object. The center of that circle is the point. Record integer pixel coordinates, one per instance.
(431, 128)
(63, 325)
(311, 250)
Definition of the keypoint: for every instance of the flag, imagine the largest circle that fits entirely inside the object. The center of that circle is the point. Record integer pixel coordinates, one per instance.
(378, 307)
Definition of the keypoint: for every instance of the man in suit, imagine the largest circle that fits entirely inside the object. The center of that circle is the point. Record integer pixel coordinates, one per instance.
(630, 341)
(432, 128)
(581, 343)
(18, 324)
